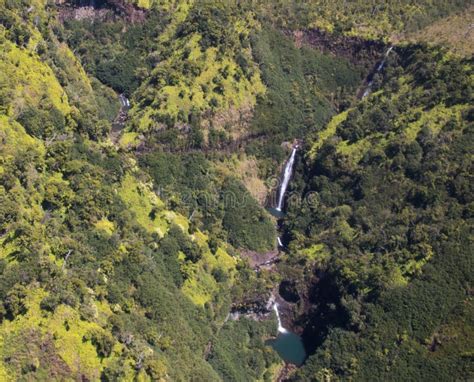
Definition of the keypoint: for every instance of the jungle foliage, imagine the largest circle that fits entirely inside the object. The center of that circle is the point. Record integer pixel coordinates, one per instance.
(100, 278)
(372, 20)
(121, 259)
(217, 204)
(386, 227)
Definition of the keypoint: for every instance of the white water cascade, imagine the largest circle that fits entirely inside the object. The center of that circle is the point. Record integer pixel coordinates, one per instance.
(280, 243)
(124, 101)
(281, 329)
(286, 179)
(379, 68)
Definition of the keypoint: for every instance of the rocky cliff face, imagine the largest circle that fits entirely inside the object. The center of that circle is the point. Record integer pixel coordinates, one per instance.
(86, 3)
(99, 9)
(355, 49)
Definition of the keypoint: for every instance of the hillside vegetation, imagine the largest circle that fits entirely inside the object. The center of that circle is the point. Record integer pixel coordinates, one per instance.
(369, 19)
(98, 274)
(383, 238)
(454, 31)
(122, 240)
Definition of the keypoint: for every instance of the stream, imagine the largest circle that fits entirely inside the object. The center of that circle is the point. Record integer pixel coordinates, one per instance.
(119, 121)
(368, 89)
(288, 345)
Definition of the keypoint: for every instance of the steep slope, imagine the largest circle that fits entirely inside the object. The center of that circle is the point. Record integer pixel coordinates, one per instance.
(383, 225)
(206, 65)
(381, 20)
(99, 279)
(454, 31)
(122, 262)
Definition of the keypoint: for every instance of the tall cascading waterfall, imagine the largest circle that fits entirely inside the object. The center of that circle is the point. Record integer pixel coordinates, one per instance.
(281, 329)
(379, 68)
(286, 179)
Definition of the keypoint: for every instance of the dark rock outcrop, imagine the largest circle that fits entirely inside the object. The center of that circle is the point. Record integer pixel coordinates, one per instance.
(288, 291)
(355, 49)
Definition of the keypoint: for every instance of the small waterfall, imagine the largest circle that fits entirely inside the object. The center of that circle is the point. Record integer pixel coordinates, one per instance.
(281, 329)
(380, 67)
(280, 243)
(124, 102)
(368, 89)
(286, 178)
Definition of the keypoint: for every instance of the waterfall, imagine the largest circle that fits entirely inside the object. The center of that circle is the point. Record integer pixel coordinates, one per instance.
(367, 90)
(124, 101)
(280, 243)
(286, 178)
(379, 68)
(281, 329)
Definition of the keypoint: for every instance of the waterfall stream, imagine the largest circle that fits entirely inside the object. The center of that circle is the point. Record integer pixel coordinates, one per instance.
(286, 179)
(124, 102)
(280, 243)
(281, 329)
(288, 345)
(380, 67)
(368, 89)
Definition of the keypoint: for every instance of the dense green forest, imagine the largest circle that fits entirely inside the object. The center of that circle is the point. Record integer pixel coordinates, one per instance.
(128, 235)
(388, 225)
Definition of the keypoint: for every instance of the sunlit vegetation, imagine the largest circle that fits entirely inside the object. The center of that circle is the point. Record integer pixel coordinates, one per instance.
(390, 200)
(100, 278)
(205, 65)
(361, 18)
(454, 31)
(220, 205)
(121, 256)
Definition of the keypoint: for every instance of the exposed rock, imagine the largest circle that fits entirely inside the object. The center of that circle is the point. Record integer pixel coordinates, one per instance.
(354, 49)
(85, 13)
(99, 10)
(258, 260)
(286, 372)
